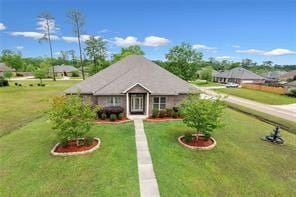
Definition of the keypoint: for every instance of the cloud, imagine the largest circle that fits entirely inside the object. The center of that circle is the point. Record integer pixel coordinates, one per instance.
(278, 52)
(225, 57)
(126, 42)
(2, 27)
(83, 38)
(31, 34)
(104, 31)
(251, 51)
(19, 47)
(204, 47)
(154, 41)
(236, 46)
(274, 52)
(42, 25)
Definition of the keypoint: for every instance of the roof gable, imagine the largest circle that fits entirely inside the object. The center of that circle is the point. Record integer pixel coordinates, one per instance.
(134, 69)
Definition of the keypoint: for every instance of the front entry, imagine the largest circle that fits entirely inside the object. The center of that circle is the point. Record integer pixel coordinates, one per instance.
(137, 103)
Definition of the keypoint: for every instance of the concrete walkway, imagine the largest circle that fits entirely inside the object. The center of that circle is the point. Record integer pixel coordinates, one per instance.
(147, 179)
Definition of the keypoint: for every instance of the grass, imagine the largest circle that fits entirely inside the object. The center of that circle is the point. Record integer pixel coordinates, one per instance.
(20, 105)
(283, 123)
(240, 165)
(204, 83)
(259, 96)
(27, 168)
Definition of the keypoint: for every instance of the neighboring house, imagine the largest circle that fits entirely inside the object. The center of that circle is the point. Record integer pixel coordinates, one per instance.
(273, 75)
(63, 70)
(289, 76)
(136, 84)
(4, 68)
(238, 75)
(290, 85)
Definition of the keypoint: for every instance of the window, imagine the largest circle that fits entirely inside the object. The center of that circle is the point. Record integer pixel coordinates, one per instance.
(113, 101)
(159, 102)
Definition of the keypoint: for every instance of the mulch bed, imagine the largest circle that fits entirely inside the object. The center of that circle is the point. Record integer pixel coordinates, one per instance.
(72, 147)
(150, 119)
(201, 142)
(124, 119)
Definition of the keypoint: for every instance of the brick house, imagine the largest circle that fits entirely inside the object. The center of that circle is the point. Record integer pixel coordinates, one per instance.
(136, 84)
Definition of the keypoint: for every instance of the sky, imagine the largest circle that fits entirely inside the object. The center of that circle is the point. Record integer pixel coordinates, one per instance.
(224, 29)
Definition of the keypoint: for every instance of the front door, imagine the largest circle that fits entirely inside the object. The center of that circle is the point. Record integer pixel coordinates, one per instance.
(137, 103)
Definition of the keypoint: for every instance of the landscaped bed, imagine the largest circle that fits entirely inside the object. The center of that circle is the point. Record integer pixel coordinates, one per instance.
(27, 167)
(241, 164)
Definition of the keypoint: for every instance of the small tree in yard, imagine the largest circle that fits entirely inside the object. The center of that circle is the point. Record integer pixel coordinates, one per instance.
(72, 117)
(40, 74)
(201, 114)
(7, 74)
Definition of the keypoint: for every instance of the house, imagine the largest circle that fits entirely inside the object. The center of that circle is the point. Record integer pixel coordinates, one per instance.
(136, 84)
(4, 68)
(273, 75)
(64, 70)
(291, 75)
(238, 75)
(290, 85)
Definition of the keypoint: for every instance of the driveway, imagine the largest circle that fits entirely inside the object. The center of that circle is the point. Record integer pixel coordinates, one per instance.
(287, 112)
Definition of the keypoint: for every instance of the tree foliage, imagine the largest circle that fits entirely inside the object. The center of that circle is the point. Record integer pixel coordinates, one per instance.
(7, 74)
(202, 114)
(40, 74)
(131, 50)
(71, 116)
(206, 73)
(184, 61)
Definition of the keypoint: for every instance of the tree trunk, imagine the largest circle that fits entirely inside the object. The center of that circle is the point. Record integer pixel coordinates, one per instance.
(50, 48)
(79, 44)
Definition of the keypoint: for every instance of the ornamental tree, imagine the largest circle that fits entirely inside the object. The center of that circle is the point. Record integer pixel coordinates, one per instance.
(201, 114)
(72, 117)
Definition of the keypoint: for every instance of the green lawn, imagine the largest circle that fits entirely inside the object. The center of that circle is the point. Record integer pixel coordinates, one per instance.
(204, 83)
(259, 96)
(28, 169)
(20, 105)
(240, 165)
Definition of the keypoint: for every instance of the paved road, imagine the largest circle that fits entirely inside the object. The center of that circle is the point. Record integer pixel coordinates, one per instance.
(287, 112)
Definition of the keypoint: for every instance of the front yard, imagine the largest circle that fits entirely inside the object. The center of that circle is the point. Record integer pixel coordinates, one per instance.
(22, 104)
(259, 96)
(27, 168)
(240, 165)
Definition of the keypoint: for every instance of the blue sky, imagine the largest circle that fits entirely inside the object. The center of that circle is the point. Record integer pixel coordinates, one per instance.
(260, 30)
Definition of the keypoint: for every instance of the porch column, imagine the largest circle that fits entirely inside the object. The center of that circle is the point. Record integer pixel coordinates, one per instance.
(147, 105)
(127, 104)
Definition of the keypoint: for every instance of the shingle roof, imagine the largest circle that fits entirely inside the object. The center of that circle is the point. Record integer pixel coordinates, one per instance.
(274, 74)
(238, 73)
(133, 69)
(63, 68)
(292, 83)
(289, 75)
(3, 68)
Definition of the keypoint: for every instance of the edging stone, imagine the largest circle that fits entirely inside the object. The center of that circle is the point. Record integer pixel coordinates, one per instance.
(76, 153)
(197, 148)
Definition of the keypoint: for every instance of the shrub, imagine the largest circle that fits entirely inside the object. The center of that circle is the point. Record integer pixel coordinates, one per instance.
(162, 113)
(113, 117)
(112, 110)
(188, 137)
(43, 85)
(38, 84)
(64, 142)
(120, 116)
(88, 140)
(176, 109)
(16, 84)
(291, 92)
(155, 113)
(207, 135)
(3, 82)
(75, 74)
(201, 114)
(71, 116)
(169, 112)
(103, 116)
(31, 85)
(19, 84)
(175, 114)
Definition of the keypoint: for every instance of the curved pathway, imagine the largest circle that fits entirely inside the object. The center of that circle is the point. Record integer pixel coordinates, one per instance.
(148, 182)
